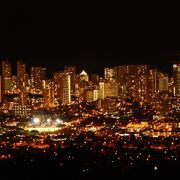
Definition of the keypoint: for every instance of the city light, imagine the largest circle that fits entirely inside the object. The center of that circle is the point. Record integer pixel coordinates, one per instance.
(59, 121)
(90, 90)
(126, 115)
(48, 120)
(36, 120)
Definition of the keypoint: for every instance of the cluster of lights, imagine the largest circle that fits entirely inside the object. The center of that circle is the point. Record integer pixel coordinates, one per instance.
(36, 120)
(59, 121)
(48, 120)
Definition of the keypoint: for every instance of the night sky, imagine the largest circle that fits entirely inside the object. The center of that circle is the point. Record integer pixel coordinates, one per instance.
(90, 35)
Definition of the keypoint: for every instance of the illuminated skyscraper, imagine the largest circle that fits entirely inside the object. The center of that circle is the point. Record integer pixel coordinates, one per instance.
(126, 78)
(1, 89)
(110, 74)
(122, 71)
(176, 76)
(122, 80)
(133, 81)
(163, 82)
(6, 76)
(84, 76)
(110, 89)
(22, 73)
(91, 95)
(95, 79)
(6, 69)
(23, 98)
(153, 81)
(142, 83)
(49, 93)
(8, 84)
(71, 70)
(21, 69)
(37, 75)
(63, 84)
(101, 90)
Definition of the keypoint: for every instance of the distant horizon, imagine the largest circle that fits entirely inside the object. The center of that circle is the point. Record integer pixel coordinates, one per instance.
(54, 67)
(91, 35)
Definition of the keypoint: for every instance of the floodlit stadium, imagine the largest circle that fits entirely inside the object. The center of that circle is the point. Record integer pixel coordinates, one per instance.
(45, 125)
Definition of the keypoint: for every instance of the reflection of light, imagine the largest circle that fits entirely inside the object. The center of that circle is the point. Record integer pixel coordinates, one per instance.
(36, 120)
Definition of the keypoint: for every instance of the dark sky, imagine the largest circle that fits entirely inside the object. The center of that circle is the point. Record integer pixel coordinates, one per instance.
(91, 35)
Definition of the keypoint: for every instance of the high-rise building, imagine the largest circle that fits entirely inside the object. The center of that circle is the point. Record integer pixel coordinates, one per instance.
(171, 85)
(122, 71)
(21, 69)
(2, 91)
(22, 73)
(122, 80)
(49, 93)
(37, 75)
(101, 90)
(153, 81)
(95, 79)
(163, 83)
(8, 84)
(176, 76)
(71, 70)
(133, 81)
(84, 76)
(76, 91)
(110, 74)
(63, 85)
(23, 98)
(6, 69)
(142, 83)
(110, 89)
(22, 82)
(91, 95)
(6, 76)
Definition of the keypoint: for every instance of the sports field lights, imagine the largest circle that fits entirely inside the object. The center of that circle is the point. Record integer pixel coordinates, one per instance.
(48, 120)
(36, 120)
(59, 121)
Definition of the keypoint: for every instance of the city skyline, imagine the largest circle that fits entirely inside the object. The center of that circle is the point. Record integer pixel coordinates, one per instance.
(92, 69)
(68, 86)
(128, 118)
(89, 90)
